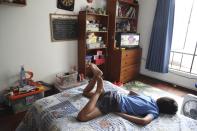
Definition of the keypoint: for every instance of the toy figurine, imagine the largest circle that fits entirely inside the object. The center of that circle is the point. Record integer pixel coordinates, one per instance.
(22, 77)
(90, 9)
(89, 1)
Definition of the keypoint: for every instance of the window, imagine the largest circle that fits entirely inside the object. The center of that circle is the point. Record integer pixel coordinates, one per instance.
(183, 55)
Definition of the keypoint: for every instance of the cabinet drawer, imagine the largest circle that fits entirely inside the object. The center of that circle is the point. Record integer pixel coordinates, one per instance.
(127, 78)
(129, 73)
(130, 61)
(133, 53)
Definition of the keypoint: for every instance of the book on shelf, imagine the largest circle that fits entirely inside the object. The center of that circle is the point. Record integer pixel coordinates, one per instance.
(126, 11)
(129, 11)
(132, 14)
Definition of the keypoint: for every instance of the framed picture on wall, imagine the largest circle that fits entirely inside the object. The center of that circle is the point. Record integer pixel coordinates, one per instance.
(63, 27)
(66, 4)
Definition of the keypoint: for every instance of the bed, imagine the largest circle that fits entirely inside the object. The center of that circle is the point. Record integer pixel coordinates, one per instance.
(58, 113)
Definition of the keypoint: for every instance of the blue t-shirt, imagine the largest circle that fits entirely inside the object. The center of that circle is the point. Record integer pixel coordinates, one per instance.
(138, 105)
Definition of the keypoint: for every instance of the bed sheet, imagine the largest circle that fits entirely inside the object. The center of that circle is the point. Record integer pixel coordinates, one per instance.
(59, 112)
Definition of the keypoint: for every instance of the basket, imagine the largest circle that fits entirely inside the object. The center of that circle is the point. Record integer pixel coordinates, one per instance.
(66, 79)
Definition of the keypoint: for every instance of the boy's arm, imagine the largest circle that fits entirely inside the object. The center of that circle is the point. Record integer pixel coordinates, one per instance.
(141, 121)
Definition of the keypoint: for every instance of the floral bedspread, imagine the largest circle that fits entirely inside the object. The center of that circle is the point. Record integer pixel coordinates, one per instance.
(59, 112)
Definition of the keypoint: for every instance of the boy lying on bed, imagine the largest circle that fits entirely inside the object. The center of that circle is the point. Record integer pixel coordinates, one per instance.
(135, 108)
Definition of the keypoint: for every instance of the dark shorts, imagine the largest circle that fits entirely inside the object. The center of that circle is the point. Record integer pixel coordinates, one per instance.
(108, 102)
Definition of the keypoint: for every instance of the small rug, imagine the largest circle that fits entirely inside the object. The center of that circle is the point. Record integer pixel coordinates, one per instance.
(148, 90)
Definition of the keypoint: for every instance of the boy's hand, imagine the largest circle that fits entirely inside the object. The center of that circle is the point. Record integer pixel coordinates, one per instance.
(135, 119)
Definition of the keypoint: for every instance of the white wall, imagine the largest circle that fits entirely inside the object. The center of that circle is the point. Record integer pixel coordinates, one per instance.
(25, 40)
(146, 16)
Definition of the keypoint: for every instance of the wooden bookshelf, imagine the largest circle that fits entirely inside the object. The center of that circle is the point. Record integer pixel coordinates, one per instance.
(95, 20)
(124, 64)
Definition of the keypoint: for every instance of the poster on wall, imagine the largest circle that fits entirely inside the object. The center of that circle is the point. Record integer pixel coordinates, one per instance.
(66, 4)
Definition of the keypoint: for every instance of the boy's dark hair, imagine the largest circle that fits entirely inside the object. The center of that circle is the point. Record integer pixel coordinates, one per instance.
(167, 105)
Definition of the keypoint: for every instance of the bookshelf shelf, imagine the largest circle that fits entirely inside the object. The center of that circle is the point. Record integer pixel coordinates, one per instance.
(122, 17)
(96, 32)
(97, 49)
(122, 31)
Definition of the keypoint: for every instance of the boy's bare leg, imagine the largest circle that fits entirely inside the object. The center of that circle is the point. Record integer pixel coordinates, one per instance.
(90, 111)
(97, 72)
(87, 91)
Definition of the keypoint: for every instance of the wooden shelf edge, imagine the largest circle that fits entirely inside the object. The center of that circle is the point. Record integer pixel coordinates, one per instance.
(123, 17)
(96, 49)
(96, 31)
(130, 3)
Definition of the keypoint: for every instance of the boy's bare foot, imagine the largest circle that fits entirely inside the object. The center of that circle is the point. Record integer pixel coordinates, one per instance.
(96, 71)
(99, 89)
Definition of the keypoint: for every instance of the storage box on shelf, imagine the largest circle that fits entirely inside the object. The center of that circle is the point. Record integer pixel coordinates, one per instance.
(93, 38)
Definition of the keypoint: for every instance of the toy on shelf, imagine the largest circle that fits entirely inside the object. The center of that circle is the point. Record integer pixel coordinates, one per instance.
(94, 41)
(94, 26)
(26, 78)
(101, 11)
(25, 84)
(99, 58)
(123, 25)
(88, 59)
(24, 92)
(89, 9)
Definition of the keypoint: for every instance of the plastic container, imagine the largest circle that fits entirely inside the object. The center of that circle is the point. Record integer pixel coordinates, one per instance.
(93, 45)
(88, 59)
(99, 61)
(66, 79)
(23, 103)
